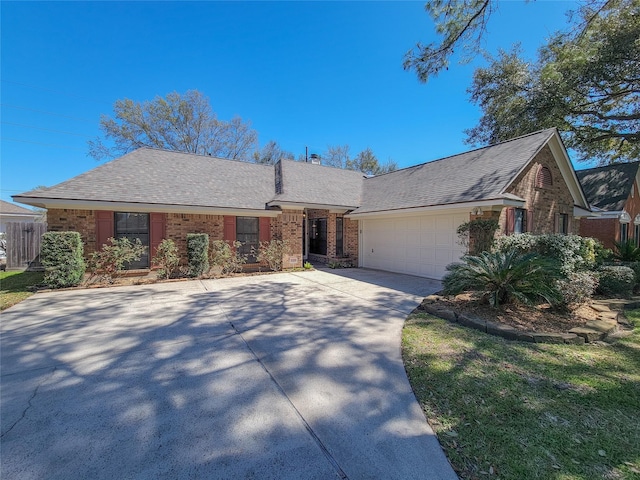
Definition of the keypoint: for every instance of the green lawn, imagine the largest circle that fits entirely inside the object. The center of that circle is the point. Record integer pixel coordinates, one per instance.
(513, 410)
(14, 286)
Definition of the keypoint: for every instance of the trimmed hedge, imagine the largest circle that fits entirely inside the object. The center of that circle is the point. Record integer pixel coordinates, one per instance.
(573, 252)
(616, 281)
(62, 255)
(198, 253)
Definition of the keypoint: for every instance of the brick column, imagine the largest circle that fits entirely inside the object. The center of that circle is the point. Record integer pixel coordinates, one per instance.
(291, 224)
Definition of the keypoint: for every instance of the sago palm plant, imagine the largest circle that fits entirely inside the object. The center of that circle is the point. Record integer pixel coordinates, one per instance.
(626, 251)
(505, 277)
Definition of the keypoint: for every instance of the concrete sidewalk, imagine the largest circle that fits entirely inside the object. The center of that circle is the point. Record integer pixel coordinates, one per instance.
(294, 375)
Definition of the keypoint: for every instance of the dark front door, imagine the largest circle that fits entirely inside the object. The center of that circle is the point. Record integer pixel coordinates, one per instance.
(318, 236)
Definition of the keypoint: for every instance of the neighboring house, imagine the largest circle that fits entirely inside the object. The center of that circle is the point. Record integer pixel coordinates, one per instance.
(404, 221)
(613, 193)
(10, 212)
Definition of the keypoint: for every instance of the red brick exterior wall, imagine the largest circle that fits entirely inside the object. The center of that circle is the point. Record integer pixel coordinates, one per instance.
(350, 241)
(544, 202)
(177, 227)
(179, 224)
(604, 229)
(607, 230)
(291, 230)
(70, 220)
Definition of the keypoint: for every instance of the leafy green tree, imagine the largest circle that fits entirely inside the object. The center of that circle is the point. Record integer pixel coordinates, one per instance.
(180, 122)
(462, 24)
(367, 163)
(585, 81)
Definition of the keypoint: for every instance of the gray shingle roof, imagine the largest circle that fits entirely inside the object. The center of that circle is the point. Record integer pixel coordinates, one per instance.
(480, 174)
(153, 176)
(608, 188)
(308, 183)
(8, 208)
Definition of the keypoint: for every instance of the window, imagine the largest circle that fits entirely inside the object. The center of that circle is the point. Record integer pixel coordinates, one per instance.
(544, 179)
(318, 236)
(624, 232)
(563, 223)
(247, 233)
(134, 226)
(519, 220)
(637, 234)
(339, 237)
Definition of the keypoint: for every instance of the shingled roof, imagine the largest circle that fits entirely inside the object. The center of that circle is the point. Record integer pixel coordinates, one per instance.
(169, 180)
(8, 208)
(608, 188)
(151, 176)
(481, 174)
(310, 184)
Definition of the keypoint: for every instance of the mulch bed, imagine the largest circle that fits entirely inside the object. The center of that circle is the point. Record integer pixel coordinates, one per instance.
(541, 318)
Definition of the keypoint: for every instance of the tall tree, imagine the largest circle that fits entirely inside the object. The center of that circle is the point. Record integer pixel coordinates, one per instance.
(585, 81)
(181, 122)
(271, 153)
(367, 163)
(462, 24)
(336, 156)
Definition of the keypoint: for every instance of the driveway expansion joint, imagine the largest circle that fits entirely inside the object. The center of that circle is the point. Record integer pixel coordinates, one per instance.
(334, 463)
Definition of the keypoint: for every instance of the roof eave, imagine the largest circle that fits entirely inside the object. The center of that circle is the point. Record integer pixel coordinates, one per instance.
(55, 203)
(319, 206)
(498, 202)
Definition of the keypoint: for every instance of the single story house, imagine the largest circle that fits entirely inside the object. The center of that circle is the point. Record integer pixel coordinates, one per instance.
(10, 212)
(404, 221)
(613, 193)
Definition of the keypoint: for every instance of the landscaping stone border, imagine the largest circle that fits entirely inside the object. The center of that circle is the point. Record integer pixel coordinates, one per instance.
(594, 330)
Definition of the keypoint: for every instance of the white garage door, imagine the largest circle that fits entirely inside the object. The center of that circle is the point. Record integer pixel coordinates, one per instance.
(418, 245)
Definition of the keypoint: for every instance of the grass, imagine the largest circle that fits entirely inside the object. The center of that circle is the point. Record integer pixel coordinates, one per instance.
(14, 286)
(513, 410)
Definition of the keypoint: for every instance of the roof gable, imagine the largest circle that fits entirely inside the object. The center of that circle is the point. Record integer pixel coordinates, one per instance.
(609, 187)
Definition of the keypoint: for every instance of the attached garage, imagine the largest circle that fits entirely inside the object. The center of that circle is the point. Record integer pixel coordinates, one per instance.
(418, 245)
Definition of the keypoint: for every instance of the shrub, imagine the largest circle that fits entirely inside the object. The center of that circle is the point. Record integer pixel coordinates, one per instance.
(505, 277)
(478, 235)
(166, 258)
(635, 266)
(626, 251)
(577, 288)
(226, 259)
(62, 257)
(572, 252)
(272, 253)
(111, 260)
(616, 280)
(307, 266)
(197, 253)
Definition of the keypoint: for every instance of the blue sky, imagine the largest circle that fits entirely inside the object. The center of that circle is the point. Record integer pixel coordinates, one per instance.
(305, 74)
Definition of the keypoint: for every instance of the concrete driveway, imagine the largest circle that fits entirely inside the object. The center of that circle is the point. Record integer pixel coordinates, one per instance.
(287, 376)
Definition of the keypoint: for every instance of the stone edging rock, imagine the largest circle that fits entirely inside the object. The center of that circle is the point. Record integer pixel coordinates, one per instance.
(594, 330)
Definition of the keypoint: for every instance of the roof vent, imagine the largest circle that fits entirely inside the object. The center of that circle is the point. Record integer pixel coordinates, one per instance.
(315, 158)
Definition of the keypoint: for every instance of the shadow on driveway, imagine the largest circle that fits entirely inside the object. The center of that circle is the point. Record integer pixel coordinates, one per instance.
(280, 376)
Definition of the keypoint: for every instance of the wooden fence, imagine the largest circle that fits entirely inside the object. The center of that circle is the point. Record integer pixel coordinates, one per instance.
(23, 244)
